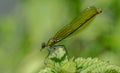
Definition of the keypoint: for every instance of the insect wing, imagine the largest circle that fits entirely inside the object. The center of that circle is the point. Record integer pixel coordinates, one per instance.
(76, 24)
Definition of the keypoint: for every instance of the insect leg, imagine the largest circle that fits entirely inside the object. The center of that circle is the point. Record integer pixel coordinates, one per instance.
(49, 52)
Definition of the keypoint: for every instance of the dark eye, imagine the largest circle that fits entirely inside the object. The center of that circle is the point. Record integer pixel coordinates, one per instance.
(43, 45)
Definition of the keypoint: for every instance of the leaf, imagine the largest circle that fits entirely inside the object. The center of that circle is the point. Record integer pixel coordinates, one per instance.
(70, 66)
(63, 64)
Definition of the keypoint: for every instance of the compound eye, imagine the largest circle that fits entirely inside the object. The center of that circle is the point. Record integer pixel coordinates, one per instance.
(43, 45)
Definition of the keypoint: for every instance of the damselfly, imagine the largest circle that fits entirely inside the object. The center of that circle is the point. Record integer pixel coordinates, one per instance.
(78, 23)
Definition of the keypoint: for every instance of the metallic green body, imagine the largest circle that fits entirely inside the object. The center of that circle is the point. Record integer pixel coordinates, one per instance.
(76, 24)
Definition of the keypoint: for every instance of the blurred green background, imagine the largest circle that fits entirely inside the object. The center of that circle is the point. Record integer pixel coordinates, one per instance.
(25, 24)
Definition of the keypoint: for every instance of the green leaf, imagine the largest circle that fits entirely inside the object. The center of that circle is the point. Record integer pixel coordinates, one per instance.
(70, 66)
(58, 62)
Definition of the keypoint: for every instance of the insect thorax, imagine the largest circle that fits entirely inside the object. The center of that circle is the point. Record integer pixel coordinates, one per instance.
(51, 42)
